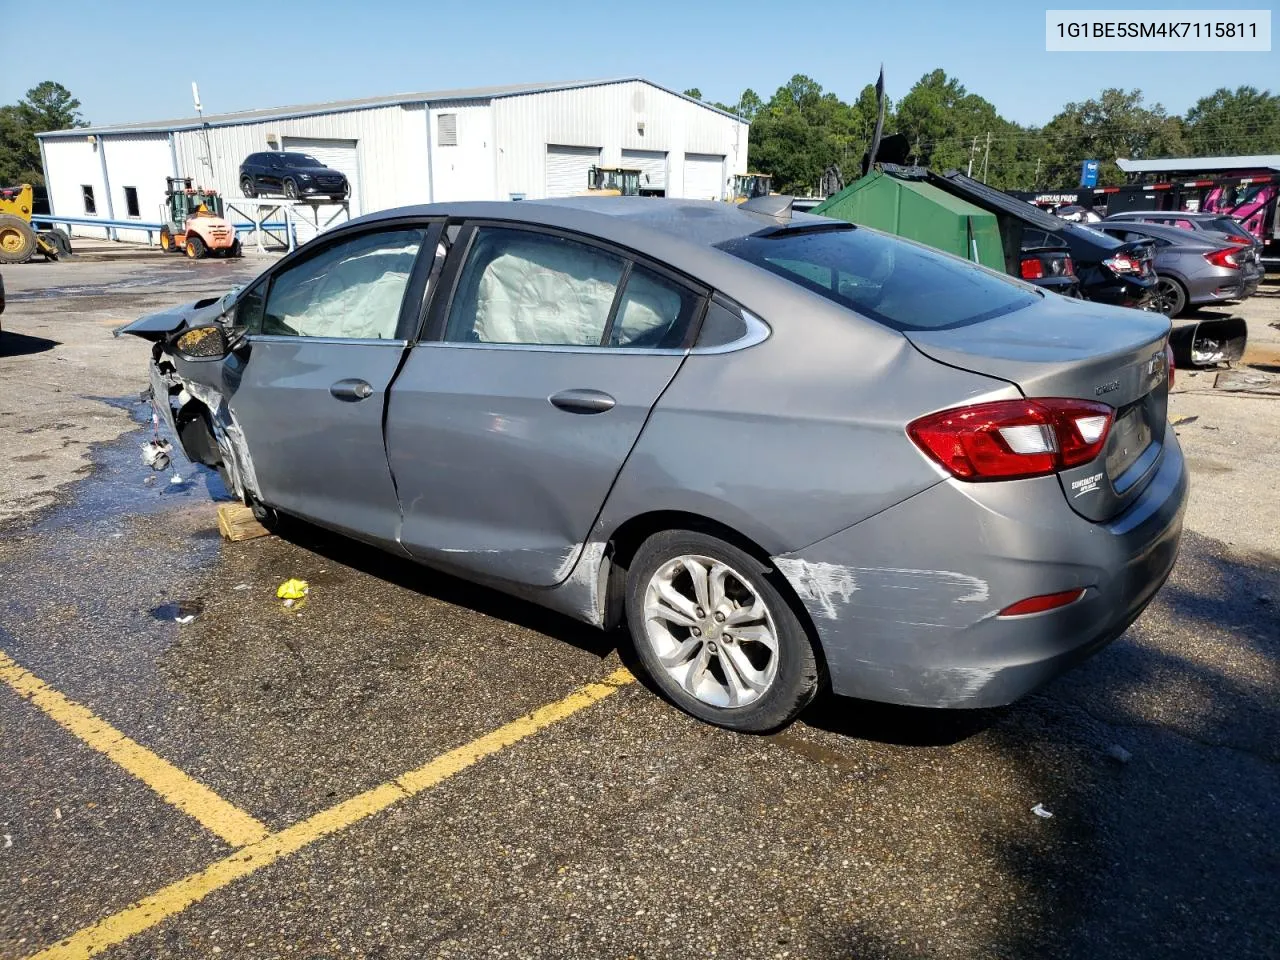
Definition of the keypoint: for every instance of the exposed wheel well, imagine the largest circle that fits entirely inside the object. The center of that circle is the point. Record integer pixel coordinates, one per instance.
(628, 537)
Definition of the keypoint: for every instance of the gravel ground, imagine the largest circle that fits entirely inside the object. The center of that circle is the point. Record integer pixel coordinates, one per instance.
(627, 830)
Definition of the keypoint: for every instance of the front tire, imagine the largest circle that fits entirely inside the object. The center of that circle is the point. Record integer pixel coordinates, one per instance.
(246, 188)
(716, 635)
(290, 190)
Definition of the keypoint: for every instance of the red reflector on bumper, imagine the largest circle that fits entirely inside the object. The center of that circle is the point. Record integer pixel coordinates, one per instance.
(1046, 601)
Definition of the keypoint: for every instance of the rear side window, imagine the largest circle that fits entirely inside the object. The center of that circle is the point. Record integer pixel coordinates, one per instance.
(1225, 225)
(533, 288)
(901, 285)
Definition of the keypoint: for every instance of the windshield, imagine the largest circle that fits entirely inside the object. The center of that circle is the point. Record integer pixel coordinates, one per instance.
(303, 160)
(899, 284)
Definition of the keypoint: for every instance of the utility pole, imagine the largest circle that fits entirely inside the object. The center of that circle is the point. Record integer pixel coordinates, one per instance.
(985, 157)
(972, 150)
(208, 151)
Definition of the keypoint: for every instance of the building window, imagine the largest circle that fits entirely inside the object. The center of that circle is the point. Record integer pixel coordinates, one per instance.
(90, 207)
(447, 129)
(131, 202)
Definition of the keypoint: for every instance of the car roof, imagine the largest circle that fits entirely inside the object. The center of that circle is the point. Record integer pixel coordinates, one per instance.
(1176, 214)
(701, 223)
(1176, 235)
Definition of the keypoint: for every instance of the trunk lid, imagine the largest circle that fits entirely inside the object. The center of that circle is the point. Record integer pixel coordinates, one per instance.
(1061, 347)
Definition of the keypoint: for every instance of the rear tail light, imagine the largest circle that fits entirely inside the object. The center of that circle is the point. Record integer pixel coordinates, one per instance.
(1046, 601)
(1236, 238)
(1168, 356)
(1122, 264)
(1032, 268)
(1068, 268)
(1013, 439)
(1223, 258)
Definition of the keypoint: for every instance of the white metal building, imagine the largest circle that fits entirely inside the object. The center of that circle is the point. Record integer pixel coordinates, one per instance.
(512, 142)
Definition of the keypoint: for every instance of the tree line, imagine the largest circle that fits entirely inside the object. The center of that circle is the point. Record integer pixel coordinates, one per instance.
(46, 106)
(802, 130)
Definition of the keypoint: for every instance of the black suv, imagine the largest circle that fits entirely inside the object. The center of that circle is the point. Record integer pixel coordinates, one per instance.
(295, 176)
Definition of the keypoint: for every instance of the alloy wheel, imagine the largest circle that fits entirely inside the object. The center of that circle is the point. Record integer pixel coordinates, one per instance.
(711, 631)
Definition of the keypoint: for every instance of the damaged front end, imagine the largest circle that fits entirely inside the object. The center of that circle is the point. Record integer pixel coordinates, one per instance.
(186, 393)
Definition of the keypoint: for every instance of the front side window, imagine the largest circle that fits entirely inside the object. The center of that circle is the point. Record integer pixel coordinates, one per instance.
(350, 290)
(519, 287)
(250, 308)
(899, 284)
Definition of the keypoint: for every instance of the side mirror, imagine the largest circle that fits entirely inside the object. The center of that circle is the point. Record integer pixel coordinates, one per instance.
(208, 342)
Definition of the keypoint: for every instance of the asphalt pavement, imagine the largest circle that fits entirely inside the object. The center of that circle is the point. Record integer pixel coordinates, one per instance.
(377, 739)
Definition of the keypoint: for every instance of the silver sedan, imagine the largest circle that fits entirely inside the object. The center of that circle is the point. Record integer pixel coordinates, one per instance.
(1193, 269)
(785, 451)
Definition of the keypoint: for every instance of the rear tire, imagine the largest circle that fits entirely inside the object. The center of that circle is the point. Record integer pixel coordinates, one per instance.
(1170, 296)
(195, 247)
(17, 239)
(716, 634)
(235, 250)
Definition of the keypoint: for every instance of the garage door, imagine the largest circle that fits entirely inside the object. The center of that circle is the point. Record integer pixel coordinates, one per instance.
(567, 169)
(652, 165)
(338, 154)
(703, 176)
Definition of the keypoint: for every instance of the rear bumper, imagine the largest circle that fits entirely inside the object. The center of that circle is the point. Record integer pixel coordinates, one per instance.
(1118, 293)
(905, 604)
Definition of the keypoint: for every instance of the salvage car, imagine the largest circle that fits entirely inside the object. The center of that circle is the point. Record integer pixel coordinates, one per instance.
(1215, 226)
(1192, 269)
(1110, 270)
(784, 450)
(294, 176)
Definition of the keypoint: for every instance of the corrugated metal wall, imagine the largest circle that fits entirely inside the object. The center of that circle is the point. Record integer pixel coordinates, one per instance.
(73, 162)
(609, 117)
(391, 143)
(464, 171)
(141, 162)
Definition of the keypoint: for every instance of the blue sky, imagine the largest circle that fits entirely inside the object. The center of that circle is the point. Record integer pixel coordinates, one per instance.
(129, 60)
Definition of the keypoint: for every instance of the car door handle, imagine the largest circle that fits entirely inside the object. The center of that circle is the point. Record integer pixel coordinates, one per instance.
(351, 390)
(583, 401)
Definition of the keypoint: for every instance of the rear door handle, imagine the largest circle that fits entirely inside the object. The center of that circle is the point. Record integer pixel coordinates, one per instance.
(351, 390)
(583, 401)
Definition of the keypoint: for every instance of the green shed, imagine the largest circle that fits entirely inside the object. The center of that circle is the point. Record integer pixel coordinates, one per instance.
(919, 211)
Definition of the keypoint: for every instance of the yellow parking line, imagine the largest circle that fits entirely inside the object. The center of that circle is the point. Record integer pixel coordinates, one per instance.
(194, 799)
(178, 896)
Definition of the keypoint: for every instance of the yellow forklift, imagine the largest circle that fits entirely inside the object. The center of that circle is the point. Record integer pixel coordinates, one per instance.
(748, 186)
(19, 241)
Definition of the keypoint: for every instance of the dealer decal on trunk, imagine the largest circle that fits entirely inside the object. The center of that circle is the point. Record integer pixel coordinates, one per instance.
(1086, 485)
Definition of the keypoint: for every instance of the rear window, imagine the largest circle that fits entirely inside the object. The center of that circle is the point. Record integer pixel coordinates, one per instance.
(899, 284)
(1225, 225)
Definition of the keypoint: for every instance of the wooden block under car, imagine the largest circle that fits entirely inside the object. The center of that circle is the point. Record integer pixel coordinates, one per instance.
(237, 522)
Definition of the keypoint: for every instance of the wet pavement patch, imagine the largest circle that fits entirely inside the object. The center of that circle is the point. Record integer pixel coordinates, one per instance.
(183, 611)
